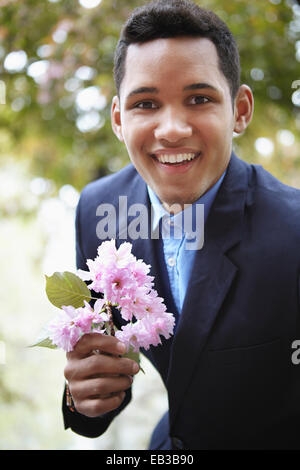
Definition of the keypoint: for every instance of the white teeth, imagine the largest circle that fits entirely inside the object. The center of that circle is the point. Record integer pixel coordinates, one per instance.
(175, 158)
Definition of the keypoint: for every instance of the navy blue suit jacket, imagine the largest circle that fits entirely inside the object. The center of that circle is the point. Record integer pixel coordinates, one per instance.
(228, 371)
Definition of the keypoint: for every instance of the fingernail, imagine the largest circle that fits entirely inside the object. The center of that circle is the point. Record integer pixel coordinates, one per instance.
(121, 348)
(135, 368)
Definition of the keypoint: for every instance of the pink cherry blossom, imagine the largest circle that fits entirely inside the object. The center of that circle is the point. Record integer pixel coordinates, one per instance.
(147, 331)
(115, 272)
(118, 283)
(140, 271)
(125, 283)
(71, 323)
(63, 331)
(154, 305)
(135, 305)
(133, 335)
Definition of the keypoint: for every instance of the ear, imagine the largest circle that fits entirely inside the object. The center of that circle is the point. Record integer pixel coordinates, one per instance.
(116, 118)
(244, 106)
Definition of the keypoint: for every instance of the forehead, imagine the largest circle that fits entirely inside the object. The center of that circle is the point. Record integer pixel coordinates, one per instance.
(172, 61)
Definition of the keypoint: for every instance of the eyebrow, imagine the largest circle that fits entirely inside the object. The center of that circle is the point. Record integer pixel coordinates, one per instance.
(193, 86)
(141, 90)
(199, 86)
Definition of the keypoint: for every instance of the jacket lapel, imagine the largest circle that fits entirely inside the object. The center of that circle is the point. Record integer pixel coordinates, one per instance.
(210, 281)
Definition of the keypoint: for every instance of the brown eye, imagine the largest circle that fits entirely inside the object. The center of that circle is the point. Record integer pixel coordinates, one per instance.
(199, 99)
(145, 105)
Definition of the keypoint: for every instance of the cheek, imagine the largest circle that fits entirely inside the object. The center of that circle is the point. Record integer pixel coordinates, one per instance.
(212, 130)
(137, 148)
(214, 125)
(138, 130)
(130, 143)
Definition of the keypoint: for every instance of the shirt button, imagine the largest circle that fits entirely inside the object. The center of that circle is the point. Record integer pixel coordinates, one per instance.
(171, 221)
(171, 262)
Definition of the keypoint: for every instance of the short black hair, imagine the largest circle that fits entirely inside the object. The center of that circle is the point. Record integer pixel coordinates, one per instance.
(175, 18)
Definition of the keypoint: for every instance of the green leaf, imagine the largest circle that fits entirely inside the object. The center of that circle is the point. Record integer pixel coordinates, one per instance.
(134, 356)
(67, 289)
(44, 343)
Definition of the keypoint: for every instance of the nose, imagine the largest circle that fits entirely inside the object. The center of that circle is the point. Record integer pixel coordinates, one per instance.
(172, 126)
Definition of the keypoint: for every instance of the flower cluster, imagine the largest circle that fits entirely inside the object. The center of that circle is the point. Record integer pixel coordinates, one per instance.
(124, 283)
(71, 323)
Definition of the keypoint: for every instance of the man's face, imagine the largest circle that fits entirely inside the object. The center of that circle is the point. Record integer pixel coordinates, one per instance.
(175, 116)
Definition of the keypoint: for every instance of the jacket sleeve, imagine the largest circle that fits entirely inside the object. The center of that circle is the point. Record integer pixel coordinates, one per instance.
(83, 425)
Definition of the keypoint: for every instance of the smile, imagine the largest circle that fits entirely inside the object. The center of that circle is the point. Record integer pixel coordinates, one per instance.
(175, 159)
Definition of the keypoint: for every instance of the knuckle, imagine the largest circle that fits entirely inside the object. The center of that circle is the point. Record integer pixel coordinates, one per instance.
(101, 363)
(74, 391)
(96, 408)
(81, 408)
(89, 408)
(93, 360)
(96, 364)
(98, 387)
(82, 344)
(67, 371)
(71, 370)
(119, 398)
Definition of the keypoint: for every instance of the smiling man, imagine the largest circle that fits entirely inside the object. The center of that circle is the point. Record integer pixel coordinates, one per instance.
(176, 115)
(228, 371)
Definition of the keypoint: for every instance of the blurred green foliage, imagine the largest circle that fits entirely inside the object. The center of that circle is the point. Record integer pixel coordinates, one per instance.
(42, 124)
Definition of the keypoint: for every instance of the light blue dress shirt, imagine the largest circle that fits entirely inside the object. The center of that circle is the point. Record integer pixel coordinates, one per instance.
(183, 235)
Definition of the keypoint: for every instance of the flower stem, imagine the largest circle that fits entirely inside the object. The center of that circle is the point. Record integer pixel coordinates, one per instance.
(110, 321)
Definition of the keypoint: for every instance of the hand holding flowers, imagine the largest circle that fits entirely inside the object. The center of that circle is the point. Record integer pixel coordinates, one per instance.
(102, 359)
(125, 284)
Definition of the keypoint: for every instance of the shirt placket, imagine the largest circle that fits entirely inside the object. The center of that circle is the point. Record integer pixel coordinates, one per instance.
(172, 248)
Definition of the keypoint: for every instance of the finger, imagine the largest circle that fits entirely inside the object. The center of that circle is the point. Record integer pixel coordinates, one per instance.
(97, 406)
(97, 341)
(97, 365)
(99, 387)
(109, 365)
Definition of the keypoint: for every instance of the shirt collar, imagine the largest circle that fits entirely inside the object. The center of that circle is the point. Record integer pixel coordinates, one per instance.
(159, 212)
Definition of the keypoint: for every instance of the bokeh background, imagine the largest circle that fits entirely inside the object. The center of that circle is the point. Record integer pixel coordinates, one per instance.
(55, 136)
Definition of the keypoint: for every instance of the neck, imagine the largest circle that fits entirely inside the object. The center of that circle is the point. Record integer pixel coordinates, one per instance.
(174, 208)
